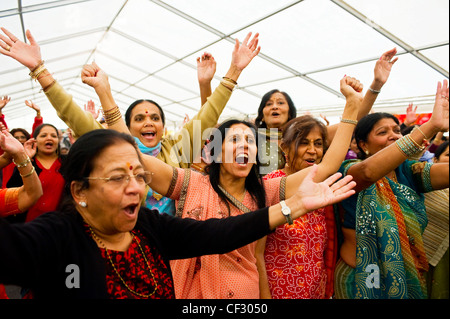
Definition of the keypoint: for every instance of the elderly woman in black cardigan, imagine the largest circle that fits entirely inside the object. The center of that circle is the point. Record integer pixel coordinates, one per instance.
(101, 244)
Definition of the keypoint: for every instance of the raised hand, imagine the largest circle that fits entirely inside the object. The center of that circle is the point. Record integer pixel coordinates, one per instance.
(440, 116)
(383, 67)
(351, 88)
(3, 101)
(9, 144)
(206, 68)
(90, 107)
(92, 75)
(32, 105)
(411, 115)
(316, 195)
(28, 55)
(244, 53)
(30, 147)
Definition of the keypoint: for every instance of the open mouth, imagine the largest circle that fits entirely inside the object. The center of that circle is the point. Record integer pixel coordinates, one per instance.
(310, 161)
(242, 159)
(131, 210)
(148, 135)
(48, 145)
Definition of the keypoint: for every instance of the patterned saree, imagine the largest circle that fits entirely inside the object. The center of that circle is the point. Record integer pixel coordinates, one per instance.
(390, 218)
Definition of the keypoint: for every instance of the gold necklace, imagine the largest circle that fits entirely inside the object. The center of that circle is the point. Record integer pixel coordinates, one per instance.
(117, 272)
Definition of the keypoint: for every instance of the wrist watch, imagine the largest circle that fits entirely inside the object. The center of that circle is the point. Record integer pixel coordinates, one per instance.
(286, 212)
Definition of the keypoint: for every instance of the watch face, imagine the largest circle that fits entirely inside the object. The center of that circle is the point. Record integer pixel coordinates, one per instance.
(285, 211)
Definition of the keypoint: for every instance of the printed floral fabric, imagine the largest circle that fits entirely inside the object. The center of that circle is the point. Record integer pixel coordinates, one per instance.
(294, 256)
(133, 269)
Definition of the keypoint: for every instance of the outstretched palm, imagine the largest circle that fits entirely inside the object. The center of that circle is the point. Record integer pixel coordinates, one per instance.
(316, 195)
(244, 53)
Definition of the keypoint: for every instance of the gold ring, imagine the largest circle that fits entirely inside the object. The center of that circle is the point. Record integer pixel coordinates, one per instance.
(7, 48)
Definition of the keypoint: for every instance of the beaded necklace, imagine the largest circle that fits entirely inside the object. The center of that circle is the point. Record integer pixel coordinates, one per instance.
(115, 269)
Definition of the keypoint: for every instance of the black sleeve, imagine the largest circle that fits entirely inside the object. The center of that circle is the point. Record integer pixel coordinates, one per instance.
(181, 238)
(28, 251)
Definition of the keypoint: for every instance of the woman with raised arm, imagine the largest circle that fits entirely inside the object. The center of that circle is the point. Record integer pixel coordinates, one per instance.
(277, 108)
(231, 187)
(144, 118)
(17, 200)
(297, 261)
(383, 255)
(104, 244)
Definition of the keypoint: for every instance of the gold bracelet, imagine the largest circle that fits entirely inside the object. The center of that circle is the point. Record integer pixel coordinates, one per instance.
(230, 80)
(349, 121)
(37, 71)
(23, 164)
(28, 174)
(418, 128)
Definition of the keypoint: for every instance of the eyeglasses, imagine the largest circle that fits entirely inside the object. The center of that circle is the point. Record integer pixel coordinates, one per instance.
(20, 137)
(142, 179)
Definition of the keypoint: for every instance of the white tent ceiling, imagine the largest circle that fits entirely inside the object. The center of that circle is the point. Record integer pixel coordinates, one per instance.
(149, 50)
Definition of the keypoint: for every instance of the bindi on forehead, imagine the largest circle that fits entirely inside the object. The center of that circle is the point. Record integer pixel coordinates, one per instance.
(130, 167)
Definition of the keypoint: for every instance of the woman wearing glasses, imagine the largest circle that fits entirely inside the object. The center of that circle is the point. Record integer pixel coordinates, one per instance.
(104, 244)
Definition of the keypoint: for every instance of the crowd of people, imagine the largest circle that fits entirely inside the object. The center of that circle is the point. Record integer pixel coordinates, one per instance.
(281, 207)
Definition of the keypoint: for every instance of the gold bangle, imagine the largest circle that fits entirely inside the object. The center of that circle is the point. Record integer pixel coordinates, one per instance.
(23, 164)
(28, 174)
(230, 80)
(37, 71)
(349, 121)
(418, 128)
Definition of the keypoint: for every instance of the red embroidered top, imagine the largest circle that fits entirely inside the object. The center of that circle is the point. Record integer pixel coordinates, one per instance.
(133, 269)
(295, 256)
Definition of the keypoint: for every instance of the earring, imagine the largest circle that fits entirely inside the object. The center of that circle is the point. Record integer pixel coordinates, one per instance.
(82, 204)
(367, 152)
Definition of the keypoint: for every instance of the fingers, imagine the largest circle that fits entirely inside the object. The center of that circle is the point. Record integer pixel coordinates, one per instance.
(10, 35)
(245, 42)
(352, 82)
(30, 38)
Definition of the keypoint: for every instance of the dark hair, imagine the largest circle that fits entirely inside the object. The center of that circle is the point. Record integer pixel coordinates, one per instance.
(441, 148)
(298, 129)
(253, 182)
(365, 126)
(259, 119)
(80, 160)
(15, 130)
(38, 130)
(137, 102)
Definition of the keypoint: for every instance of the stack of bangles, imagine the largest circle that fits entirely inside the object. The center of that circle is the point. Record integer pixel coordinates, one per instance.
(228, 83)
(25, 164)
(408, 146)
(112, 116)
(37, 71)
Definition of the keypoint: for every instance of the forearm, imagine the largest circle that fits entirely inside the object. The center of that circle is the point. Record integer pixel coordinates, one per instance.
(205, 91)
(369, 99)
(384, 161)
(439, 176)
(162, 173)
(31, 190)
(337, 151)
(109, 106)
